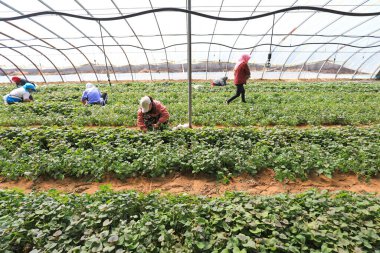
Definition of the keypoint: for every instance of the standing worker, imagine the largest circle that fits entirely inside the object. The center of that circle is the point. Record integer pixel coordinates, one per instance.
(241, 75)
(20, 95)
(152, 115)
(92, 96)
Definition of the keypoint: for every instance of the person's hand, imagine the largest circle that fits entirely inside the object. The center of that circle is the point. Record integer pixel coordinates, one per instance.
(156, 126)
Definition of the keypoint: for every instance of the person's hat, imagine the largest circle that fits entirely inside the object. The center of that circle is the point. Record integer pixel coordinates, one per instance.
(145, 103)
(29, 86)
(89, 86)
(16, 79)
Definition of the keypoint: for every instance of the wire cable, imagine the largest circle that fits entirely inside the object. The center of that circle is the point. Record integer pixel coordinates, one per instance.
(201, 43)
(294, 8)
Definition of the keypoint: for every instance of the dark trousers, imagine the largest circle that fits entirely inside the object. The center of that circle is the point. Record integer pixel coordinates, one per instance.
(239, 90)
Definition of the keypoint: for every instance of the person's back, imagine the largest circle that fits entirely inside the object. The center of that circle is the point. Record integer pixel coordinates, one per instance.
(21, 94)
(220, 82)
(93, 96)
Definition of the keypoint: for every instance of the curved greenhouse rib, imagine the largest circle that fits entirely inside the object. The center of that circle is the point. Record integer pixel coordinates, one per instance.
(80, 31)
(10, 7)
(117, 43)
(338, 49)
(14, 64)
(320, 30)
(341, 66)
(137, 37)
(162, 39)
(31, 47)
(21, 29)
(5, 74)
(305, 62)
(376, 71)
(212, 37)
(357, 69)
(294, 50)
(237, 38)
(39, 71)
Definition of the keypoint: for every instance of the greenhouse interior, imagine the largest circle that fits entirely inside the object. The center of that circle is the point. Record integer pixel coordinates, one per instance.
(185, 126)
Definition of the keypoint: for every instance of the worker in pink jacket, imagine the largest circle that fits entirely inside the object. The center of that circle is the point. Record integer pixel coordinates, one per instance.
(241, 75)
(152, 115)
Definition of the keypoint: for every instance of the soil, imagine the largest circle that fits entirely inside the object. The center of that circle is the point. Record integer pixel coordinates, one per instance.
(262, 184)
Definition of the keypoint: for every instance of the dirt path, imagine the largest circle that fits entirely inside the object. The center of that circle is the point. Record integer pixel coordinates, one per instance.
(263, 184)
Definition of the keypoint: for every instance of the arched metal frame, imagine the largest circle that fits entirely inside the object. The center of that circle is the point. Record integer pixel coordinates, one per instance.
(302, 70)
(342, 65)
(276, 21)
(241, 31)
(47, 43)
(47, 58)
(320, 30)
(80, 31)
(348, 30)
(162, 39)
(117, 43)
(137, 37)
(14, 65)
(376, 71)
(10, 7)
(212, 37)
(357, 69)
(5, 74)
(26, 57)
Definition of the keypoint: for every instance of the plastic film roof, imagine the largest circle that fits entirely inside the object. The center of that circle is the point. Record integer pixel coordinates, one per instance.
(305, 43)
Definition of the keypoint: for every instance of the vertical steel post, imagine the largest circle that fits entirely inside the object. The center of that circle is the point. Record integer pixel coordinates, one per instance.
(189, 69)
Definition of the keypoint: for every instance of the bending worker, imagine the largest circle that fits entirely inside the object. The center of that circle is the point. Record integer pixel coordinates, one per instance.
(92, 96)
(152, 115)
(220, 82)
(21, 82)
(21, 94)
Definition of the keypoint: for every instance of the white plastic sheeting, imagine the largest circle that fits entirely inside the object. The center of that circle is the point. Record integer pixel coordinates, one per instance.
(305, 43)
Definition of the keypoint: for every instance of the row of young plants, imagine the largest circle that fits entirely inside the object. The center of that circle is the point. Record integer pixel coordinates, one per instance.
(268, 103)
(93, 153)
(236, 222)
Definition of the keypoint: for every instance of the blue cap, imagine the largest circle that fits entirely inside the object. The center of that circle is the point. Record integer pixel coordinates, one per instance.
(29, 86)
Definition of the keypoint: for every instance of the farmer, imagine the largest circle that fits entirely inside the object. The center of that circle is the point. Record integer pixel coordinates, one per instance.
(20, 82)
(241, 75)
(92, 96)
(220, 82)
(152, 115)
(21, 94)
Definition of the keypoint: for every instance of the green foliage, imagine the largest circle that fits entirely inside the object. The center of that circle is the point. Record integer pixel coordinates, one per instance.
(132, 222)
(93, 153)
(269, 103)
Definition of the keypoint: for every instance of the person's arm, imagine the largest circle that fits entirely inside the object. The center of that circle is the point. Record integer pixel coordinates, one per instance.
(140, 121)
(26, 97)
(164, 114)
(84, 98)
(247, 71)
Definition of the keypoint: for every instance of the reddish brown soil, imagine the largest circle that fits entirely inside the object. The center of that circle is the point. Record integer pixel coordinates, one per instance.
(263, 184)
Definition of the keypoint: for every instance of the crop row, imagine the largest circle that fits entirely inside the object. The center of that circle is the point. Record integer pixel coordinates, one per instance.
(132, 222)
(94, 153)
(267, 104)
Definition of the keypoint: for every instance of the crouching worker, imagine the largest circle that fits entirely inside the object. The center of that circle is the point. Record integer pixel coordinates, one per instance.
(21, 82)
(92, 96)
(21, 94)
(220, 82)
(152, 115)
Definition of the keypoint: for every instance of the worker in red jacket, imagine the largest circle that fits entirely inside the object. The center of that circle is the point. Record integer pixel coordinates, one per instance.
(241, 75)
(152, 115)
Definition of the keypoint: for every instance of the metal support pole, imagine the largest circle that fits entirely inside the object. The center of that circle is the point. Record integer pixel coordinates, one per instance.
(189, 69)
